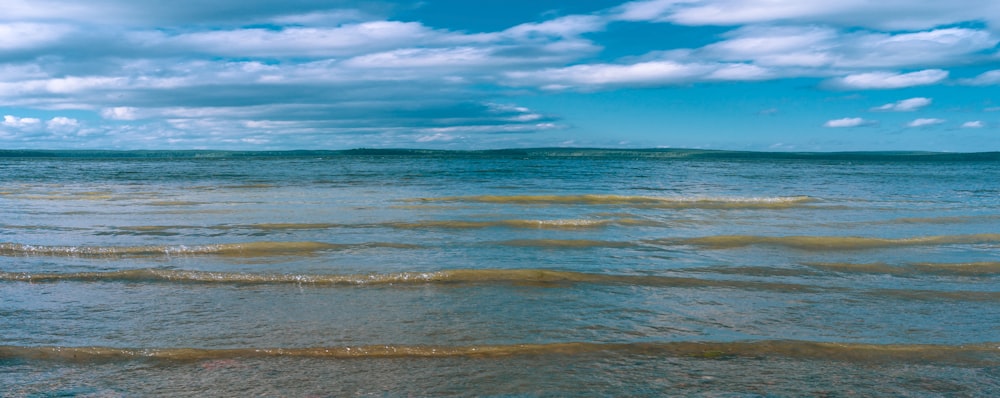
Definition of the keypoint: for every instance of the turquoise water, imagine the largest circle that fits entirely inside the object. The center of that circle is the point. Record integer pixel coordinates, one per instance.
(535, 272)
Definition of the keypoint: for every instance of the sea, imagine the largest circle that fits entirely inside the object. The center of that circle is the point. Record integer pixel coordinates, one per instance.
(522, 272)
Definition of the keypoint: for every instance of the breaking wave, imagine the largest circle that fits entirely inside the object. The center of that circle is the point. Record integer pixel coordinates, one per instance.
(251, 249)
(458, 276)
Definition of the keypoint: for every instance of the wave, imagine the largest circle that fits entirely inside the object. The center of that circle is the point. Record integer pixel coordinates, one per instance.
(170, 203)
(552, 224)
(973, 354)
(819, 243)
(943, 220)
(173, 229)
(456, 224)
(268, 248)
(637, 201)
(250, 249)
(464, 277)
(249, 186)
(984, 268)
(558, 224)
(67, 196)
(538, 277)
(564, 243)
(280, 226)
(935, 295)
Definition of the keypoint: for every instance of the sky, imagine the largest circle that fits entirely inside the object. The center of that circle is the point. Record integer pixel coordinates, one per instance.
(761, 75)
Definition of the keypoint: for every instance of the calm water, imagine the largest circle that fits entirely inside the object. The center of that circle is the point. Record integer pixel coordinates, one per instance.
(542, 273)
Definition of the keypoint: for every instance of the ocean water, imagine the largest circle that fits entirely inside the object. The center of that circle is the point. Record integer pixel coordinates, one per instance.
(496, 273)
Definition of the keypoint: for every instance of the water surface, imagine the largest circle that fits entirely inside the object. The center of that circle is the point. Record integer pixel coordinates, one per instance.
(536, 272)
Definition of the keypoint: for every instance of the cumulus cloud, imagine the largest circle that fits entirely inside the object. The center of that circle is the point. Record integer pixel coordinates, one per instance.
(848, 122)
(120, 113)
(20, 122)
(975, 124)
(923, 122)
(888, 80)
(62, 123)
(906, 105)
(31, 129)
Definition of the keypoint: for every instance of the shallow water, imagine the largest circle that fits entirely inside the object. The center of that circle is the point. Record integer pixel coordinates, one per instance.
(499, 273)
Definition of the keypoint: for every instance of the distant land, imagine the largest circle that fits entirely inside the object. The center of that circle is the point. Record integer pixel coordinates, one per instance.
(665, 153)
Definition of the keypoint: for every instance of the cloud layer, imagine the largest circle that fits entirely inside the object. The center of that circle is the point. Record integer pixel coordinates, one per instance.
(263, 74)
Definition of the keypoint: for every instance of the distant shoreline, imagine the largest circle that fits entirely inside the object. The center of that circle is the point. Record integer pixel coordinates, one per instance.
(664, 153)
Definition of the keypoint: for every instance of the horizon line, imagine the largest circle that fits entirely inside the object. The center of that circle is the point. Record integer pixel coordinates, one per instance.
(527, 151)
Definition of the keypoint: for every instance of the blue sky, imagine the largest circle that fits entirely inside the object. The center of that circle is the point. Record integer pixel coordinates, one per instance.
(766, 75)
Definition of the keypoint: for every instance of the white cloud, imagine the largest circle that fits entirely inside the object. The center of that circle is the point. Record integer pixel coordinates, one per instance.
(814, 47)
(202, 73)
(906, 14)
(975, 124)
(933, 47)
(62, 123)
(599, 75)
(848, 122)
(568, 26)
(922, 122)
(20, 122)
(645, 10)
(776, 46)
(425, 58)
(888, 80)
(320, 18)
(985, 79)
(43, 9)
(437, 137)
(907, 105)
(740, 72)
(24, 35)
(492, 129)
(214, 13)
(514, 113)
(19, 72)
(301, 41)
(119, 113)
(731, 12)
